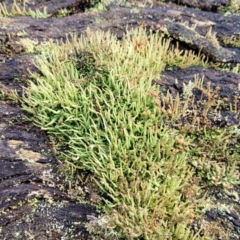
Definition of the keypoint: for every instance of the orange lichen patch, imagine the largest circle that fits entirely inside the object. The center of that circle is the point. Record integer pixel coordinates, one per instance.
(153, 94)
(158, 102)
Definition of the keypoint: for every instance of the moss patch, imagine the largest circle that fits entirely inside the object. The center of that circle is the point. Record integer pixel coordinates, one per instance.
(95, 97)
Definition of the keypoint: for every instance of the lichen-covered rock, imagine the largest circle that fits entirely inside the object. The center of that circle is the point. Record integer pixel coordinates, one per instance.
(36, 202)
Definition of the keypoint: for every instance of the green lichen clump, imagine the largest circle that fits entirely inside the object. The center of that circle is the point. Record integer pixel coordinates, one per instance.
(20, 9)
(95, 95)
(232, 8)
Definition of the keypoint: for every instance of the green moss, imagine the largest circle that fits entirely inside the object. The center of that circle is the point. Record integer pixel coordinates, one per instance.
(95, 95)
(233, 7)
(18, 9)
(232, 41)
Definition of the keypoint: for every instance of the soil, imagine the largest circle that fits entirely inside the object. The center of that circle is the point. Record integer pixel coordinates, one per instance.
(36, 200)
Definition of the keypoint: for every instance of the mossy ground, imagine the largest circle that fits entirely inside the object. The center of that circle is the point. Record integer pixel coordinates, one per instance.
(95, 97)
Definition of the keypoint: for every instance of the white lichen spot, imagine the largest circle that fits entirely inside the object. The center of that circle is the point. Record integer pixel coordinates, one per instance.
(14, 143)
(29, 155)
